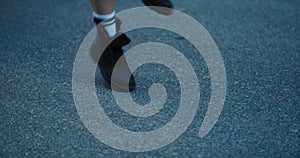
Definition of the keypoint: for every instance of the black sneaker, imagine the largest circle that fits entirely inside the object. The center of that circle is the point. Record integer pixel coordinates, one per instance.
(161, 6)
(121, 79)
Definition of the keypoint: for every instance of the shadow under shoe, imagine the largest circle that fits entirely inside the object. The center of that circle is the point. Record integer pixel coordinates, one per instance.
(164, 7)
(107, 57)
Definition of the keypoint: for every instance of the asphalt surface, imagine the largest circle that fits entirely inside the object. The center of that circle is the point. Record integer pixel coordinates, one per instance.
(259, 42)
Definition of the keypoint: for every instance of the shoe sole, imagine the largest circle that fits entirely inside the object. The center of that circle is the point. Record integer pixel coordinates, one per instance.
(158, 9)
(117, 87)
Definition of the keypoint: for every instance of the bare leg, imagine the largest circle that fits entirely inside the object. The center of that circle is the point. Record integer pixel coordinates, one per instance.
(103, 6)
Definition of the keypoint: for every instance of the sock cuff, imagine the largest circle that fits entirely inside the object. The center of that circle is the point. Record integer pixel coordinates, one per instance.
(108, 22)
(105, 22)
(103, 17)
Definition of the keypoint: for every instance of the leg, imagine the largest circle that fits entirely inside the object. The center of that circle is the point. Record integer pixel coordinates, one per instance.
(104, 10)
(108, 33)
(103, 6)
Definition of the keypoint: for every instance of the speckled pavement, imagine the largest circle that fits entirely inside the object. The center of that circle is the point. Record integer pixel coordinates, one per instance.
(259, 42)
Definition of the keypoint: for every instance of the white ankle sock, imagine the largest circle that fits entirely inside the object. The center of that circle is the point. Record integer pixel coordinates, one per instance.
(109, 23)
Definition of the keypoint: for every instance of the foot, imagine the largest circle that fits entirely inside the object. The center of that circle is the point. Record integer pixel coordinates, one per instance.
(161, 6)
(120, 79)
